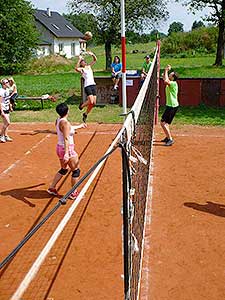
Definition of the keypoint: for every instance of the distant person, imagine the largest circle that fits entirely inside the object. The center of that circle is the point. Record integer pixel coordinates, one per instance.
(13, 92)
(172, 104)
(65, 150)
(5, 110)
(89, 83)
(145, 68)
(116, 67)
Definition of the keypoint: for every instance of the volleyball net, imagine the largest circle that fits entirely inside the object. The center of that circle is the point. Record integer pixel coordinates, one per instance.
(136, 144)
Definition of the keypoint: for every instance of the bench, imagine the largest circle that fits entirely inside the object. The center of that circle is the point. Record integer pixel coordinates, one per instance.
(40, 98)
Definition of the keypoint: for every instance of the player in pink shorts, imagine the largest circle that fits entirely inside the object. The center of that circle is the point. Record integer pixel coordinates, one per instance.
(65, 150)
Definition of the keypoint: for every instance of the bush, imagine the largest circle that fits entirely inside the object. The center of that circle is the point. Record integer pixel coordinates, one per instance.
(202, 40)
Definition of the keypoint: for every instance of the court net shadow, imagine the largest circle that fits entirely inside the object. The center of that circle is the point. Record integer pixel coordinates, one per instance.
(209, 207)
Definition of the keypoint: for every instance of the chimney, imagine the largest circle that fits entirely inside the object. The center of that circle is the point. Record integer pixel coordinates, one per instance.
(48, 12)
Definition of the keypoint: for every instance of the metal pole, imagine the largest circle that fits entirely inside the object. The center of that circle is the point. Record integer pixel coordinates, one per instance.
(123, 45)
(158, 83)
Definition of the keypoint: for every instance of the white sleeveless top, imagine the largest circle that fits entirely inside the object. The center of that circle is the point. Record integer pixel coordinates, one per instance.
(60, 134)
(4, 93)
(88, 76)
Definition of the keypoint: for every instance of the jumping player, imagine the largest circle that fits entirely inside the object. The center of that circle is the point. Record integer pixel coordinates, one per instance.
(65, 150)
(89, 84)
(172, 104)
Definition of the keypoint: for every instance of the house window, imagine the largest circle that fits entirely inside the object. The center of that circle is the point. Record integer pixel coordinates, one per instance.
(55, 26)
(69, 27)
(60, 47)
(73, 46)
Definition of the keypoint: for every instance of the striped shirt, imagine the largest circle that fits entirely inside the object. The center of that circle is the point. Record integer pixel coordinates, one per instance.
(5, 98)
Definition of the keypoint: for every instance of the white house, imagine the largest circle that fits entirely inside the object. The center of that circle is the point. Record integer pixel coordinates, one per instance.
(57, 35)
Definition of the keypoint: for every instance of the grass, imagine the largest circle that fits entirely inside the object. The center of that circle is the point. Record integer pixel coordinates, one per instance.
(200, 115)
(56, 76)
(101, 114)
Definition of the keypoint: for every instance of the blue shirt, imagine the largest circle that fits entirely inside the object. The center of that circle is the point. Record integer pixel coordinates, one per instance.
(116, 67)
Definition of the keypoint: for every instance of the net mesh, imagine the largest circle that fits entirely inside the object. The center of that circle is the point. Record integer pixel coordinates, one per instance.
(137, 140)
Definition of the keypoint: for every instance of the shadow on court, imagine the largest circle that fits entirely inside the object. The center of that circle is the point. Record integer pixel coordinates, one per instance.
(25, 193)
(210, 208)
(38, 131)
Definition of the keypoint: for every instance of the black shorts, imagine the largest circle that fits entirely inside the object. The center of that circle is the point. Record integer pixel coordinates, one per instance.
(90, 90)
(169, 114)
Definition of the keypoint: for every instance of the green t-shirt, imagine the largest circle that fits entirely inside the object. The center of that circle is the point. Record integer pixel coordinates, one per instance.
(146, 66)
(171, 94)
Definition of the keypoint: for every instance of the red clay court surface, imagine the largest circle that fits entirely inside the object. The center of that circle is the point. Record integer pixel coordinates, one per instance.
(185, 245)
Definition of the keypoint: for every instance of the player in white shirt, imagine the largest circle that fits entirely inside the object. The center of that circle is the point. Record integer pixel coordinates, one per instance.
(89, 83)
(5, 109)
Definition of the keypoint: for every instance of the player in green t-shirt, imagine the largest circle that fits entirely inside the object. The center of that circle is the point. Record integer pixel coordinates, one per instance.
(145, 68)
(172, 104)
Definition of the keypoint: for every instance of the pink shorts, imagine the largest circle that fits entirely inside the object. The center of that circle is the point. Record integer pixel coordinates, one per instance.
(61, 152)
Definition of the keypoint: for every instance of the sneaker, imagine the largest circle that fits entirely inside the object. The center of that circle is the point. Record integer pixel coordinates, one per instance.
(84, 117)
(8, 139)
(52, 191)
(2, 139)
(74, 195)
(165, 140)
(169, 142)
(80, 106)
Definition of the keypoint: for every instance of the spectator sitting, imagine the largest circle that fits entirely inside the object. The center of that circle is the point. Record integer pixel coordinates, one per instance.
(13, 92)
(116, 71)
(145, 68)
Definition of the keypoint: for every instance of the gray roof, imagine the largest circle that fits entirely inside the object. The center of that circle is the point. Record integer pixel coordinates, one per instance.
(57, 24)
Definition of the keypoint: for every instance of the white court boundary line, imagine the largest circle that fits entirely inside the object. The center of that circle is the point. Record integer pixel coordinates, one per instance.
(199, 135)
(37, 264)
(12, 166)
(54, 132)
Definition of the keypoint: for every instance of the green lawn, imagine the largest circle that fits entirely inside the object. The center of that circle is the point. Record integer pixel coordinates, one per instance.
(201, 115)
(57, 77)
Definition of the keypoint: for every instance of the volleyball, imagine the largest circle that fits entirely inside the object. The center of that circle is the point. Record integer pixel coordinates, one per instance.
(88, 35)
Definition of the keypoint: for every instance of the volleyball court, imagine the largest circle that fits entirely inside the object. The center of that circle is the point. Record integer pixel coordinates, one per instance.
(40, 255)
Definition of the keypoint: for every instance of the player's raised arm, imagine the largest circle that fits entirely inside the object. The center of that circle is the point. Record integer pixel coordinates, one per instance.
(78, 68)
(166, 75)
(94, 58)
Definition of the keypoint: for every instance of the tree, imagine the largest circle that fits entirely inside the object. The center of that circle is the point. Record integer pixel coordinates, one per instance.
(84, 22)
(217, 17)
(197, 24)
(140, 14)
(175, 27)
(18, 35)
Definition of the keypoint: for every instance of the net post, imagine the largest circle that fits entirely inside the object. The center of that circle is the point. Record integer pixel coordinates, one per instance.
(126, 226)
(156, 114)
(123, 46)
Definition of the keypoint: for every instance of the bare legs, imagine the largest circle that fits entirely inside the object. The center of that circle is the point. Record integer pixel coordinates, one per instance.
(166, 128)
(73, 163)
(6, 123)
(89, 103)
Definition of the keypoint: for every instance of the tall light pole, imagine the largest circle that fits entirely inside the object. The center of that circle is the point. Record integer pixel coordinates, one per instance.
(123, 45)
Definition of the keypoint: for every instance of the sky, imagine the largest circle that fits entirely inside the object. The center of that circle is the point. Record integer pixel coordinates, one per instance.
(177, 12)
